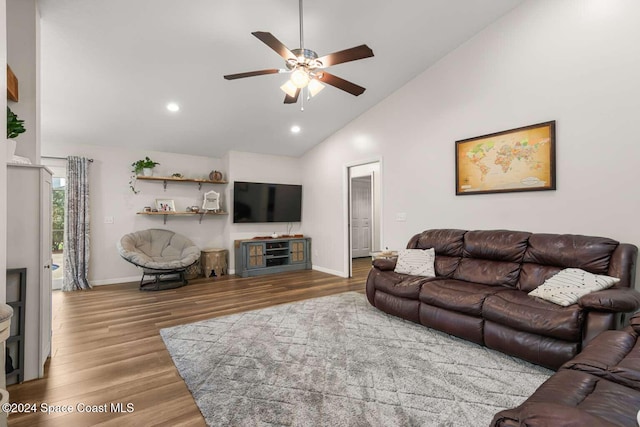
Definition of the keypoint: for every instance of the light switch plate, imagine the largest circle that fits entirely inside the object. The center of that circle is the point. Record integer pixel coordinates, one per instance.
(401, 216)
(108, 220)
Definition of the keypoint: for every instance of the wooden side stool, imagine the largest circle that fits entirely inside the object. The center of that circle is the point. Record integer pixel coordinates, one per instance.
(213, 261)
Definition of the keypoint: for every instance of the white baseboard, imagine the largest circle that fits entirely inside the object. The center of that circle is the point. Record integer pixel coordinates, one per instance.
(115, 281)
(120, 280)
(329, 271)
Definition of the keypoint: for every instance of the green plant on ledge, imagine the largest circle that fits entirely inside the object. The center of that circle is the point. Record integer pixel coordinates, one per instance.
(139, 166)
(147, 163)
(15, 126)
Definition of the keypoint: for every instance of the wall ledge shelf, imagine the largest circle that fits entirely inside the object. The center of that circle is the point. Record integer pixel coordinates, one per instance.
(200, 214)
(166, 179)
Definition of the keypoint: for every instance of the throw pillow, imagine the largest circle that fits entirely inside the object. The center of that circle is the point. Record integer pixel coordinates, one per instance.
(567, 286)
(416, 262)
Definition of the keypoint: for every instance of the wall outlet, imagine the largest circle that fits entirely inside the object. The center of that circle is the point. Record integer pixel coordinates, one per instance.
(108, 220)
(401, 216)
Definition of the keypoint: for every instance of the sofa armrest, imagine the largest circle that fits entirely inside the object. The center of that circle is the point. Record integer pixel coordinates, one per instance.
(621, 300)
(385, 264)
(634, 322)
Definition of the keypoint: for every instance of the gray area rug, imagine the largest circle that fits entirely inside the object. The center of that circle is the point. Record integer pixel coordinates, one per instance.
(337, 361)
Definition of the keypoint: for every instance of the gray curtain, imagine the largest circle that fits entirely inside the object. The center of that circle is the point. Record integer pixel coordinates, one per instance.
(76, 225)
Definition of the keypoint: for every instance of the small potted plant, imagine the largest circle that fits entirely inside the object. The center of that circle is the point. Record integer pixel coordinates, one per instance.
(15, 127)
(145, 166)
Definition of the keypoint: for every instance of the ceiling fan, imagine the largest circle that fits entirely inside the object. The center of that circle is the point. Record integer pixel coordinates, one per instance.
(306, 68)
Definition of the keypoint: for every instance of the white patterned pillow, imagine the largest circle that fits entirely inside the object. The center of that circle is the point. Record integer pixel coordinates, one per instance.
(417, 262)
(566, 287)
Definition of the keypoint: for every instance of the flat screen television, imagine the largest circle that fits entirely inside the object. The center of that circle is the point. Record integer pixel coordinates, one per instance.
(262, 202)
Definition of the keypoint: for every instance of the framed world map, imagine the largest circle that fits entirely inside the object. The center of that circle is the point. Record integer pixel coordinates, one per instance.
(522, 159)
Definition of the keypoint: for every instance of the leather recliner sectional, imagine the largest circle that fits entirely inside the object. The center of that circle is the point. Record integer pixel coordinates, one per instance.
(599, 387)
(481, 288)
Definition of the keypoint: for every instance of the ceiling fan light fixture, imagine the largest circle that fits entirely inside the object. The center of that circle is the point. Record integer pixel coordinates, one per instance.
(300, 78)
(289, 88)
(315, 87)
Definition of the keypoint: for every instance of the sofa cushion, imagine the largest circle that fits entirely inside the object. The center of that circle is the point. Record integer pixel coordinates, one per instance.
(400, 285)
(492, 257)
(457, 295)
(534, 275)
(496, 245)
(571, 251)
(567, 286)
(519, 311)
(488, 272)
(416, 262)
(447, 242)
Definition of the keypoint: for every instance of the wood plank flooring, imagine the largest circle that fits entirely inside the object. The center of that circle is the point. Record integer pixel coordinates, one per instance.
(107, 347)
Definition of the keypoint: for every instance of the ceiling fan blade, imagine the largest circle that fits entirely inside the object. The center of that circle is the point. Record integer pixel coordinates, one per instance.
(251, 74)
(275, 44)
(343, 84)
(355, 53)
(292, 99)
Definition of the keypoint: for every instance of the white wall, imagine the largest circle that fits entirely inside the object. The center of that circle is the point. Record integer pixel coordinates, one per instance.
(262, 168)
(23, 55)
(111, 197)
(3, 157)
(573, 61)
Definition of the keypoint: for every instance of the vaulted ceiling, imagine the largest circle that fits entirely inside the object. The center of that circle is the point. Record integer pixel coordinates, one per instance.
(110, 67)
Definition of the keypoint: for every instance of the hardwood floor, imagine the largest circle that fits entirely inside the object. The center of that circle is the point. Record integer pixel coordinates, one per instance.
(107, 347)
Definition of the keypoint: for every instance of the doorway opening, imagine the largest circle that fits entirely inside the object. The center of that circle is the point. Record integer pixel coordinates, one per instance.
(57, 230)
(364, 216)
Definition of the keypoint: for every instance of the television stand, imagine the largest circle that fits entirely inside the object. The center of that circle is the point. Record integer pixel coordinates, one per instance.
(255, 257)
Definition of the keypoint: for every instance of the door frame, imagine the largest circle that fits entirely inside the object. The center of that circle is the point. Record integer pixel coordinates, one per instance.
(346, 202)
(371, 181)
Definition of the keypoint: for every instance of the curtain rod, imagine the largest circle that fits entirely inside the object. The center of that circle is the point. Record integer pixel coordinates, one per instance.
(59, 158)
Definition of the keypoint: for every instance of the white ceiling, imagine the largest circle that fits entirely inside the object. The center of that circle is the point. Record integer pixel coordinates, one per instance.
(109, 67)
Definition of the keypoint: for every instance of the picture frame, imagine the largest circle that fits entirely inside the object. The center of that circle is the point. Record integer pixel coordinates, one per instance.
(165, 205)
(211, 201)
(514, 160)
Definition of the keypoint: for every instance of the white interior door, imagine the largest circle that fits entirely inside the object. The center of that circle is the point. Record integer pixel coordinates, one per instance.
(45, 264)
(361, 216)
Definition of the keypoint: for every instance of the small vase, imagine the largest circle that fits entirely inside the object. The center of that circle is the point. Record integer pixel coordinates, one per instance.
(147, 171)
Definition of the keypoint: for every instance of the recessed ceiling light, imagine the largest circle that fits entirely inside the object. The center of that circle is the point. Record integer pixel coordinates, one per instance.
(173, 107)
(295, 129)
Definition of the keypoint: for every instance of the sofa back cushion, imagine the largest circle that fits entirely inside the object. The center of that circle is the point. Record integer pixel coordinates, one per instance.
(547, 254)
(448, 245)
(492, 257)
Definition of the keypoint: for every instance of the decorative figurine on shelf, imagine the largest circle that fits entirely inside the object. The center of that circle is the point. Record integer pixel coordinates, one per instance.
(215, 176)
(211, 201)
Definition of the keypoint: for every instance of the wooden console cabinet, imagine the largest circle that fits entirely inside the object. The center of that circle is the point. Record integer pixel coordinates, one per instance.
(255, 257)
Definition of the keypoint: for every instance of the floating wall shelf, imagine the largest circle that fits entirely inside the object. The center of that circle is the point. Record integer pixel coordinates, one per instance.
(166, 214)
(166, 179)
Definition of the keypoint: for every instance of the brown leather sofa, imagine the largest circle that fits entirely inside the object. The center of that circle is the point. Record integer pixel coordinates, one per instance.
(598, 387)
(481, 286)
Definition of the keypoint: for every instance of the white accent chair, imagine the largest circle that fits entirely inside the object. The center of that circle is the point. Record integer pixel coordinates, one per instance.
(162, 254)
